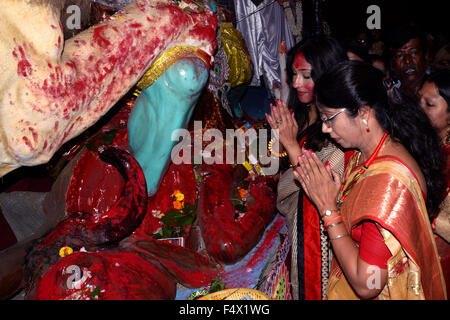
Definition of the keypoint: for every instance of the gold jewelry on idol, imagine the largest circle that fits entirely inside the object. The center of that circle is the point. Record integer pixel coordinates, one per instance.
(168, 58)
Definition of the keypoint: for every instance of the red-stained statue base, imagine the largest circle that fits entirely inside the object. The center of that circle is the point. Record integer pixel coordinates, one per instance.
(95, 187)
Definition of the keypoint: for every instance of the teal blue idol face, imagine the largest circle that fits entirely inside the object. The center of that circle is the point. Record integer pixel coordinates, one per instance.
(162, 108)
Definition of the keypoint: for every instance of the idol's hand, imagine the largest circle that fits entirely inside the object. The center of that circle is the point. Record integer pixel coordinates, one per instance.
(282, 119)
(319, 181)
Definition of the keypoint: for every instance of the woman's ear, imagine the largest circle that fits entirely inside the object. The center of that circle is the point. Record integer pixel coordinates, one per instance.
(365, 112)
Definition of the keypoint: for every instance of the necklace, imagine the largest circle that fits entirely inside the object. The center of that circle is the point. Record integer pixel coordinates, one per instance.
(343, 192)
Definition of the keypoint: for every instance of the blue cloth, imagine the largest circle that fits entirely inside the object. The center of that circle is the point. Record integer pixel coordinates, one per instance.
(246, 273)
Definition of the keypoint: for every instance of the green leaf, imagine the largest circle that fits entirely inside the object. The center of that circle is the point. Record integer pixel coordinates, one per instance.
(103, 138)
(216, 285)
(236, 202)
(96, 292)
(108, 137)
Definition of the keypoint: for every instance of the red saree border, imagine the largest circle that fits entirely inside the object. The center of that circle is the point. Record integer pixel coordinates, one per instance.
(312, 251)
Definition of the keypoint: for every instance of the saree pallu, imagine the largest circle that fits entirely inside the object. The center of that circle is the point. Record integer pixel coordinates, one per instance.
(389, 194)
(309, 250)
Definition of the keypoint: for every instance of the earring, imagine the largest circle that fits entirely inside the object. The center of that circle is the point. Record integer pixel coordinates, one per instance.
(366, 124)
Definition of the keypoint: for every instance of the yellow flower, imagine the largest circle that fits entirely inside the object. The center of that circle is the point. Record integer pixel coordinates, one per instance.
(178, 195)
(242, 192)
(65, 251)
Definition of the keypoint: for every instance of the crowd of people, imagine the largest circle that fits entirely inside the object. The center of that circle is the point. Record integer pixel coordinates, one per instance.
(380, 110)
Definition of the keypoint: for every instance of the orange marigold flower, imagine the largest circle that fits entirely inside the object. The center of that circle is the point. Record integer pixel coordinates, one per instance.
(178, 205)
(242, 192)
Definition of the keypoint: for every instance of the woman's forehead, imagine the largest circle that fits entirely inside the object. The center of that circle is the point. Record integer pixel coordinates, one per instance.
(300, 62)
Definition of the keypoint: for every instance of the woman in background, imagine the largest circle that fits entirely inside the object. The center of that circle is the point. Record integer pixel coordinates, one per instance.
(435, 101)
(306, 62)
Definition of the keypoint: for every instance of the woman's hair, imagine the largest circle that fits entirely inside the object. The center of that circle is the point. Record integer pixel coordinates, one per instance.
(321, 52)
(354, 84)
(441, 79)
(357, 48)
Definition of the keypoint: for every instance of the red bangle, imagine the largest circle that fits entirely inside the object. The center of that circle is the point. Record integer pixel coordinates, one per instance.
(326, 224)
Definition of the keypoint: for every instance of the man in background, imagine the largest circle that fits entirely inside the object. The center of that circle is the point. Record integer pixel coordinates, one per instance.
(408, 63)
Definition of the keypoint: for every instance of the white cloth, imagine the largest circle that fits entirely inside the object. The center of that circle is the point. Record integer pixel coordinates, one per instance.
(263, 27)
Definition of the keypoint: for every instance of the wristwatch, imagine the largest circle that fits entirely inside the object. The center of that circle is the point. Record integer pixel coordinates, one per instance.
(328, 213)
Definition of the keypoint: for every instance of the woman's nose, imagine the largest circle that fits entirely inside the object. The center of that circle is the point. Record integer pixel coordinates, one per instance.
(325, 128)
(298, 82)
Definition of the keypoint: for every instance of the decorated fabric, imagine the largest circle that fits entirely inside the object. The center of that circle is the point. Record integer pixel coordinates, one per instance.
(312, 259)
(218, 77)
(309, 243)
(239, 61)
(294, 15)
(389, 194)
(441, 224)
(61, 88)
(277, 285)
(250, 271)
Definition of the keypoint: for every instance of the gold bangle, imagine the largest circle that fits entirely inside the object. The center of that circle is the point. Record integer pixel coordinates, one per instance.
(294, 166)
(340, 236)
(333, 225)
(279, 155)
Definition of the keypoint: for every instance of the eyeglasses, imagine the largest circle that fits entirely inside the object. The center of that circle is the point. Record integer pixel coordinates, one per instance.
(329, 120)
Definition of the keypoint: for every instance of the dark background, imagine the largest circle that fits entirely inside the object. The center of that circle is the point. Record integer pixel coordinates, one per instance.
(347, 17)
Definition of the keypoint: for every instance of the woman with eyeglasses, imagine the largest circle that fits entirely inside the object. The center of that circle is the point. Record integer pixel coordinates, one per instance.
(378, 217)
(306, 62)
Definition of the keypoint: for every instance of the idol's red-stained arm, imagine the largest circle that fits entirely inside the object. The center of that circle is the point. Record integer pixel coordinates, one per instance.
(51, 90)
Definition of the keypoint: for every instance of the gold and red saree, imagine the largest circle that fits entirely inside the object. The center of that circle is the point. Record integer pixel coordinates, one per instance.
(389, 194)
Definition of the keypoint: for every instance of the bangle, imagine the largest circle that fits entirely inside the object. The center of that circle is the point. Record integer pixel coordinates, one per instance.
(279, 155)
(294, 166)
(326, 224)
(333, 225)
(340, 236)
